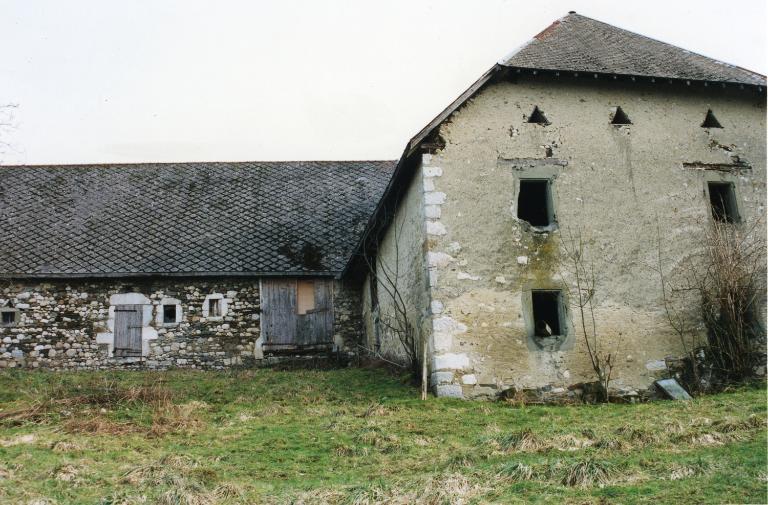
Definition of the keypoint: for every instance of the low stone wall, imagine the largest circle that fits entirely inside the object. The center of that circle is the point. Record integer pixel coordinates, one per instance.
(70, 325)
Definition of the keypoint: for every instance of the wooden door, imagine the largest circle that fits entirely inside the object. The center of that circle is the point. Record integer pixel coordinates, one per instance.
(128, 324)
(297, 313)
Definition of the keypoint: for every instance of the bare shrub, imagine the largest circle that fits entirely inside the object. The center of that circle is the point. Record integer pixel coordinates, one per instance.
(731, 288)
(583, 297)
(589, 472)
(726, 277)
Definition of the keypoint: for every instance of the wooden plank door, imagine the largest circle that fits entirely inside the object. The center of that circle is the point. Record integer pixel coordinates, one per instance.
(278, 312)
(297, 313)
(128, 324)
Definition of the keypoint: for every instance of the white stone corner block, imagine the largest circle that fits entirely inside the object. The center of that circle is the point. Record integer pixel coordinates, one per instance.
(432, 212)
(469, 379)
(426, 159)
(438, 259)
(433, 171)
(436, 306)
(464, 276)
(436, 228)
(448, 391)
(441, 378)
(434, 198)
(451, 361)
(429, 184)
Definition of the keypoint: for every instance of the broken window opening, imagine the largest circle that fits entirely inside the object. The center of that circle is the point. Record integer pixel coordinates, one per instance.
(534, 202)
(305, 297)
(169, 314)
(538, 117)
(214, 307)
(710, 121)
(722, 200)
(9, 317)
(620, 117)
(547, 315)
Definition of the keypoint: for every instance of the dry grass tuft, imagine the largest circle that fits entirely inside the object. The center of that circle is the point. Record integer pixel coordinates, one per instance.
(571, 442)
(98, 425)
(66, 473)
(524, 440)
(517, 471)
(588, 472)
(66, 446)
(171, 418)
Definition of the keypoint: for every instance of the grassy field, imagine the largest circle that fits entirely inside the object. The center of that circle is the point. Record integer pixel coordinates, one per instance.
(360, 436)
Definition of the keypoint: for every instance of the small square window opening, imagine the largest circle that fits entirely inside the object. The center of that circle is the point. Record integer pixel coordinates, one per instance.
(534, 202)
(305, 297)
(214, 307)
(9, 317)
(546, 313)
(169, 314)
(722, 200)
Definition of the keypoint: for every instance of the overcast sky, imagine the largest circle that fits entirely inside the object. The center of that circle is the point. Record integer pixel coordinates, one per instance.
(188, 80)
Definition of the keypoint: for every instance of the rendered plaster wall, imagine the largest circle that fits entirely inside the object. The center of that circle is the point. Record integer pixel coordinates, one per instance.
(401, 274)
(71, 324)
(612, 185)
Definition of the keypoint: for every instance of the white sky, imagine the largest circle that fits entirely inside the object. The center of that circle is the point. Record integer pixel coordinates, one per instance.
(189, 80)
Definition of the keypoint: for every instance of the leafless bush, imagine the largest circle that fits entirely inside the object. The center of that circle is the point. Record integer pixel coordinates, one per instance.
(583, 298)
(732, 286)
(726, 280)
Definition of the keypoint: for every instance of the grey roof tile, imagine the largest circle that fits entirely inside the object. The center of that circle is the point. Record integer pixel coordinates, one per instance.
(185, 218)
(577, 43)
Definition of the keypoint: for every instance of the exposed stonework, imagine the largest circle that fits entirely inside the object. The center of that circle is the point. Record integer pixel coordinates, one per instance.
(65, 325)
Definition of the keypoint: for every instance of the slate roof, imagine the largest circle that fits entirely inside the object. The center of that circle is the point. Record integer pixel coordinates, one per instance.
(185, 218)
(577, 43)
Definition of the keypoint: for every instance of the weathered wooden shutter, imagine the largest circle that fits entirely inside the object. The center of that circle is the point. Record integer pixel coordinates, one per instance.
(278, 312)
(283, 327)
(128, 323)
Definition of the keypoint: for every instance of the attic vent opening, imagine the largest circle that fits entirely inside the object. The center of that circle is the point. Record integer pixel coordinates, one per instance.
(710, 121)
(620, 117)
(538, 117)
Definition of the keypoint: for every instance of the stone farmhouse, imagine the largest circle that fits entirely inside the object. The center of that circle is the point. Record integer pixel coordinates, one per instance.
(588, 130)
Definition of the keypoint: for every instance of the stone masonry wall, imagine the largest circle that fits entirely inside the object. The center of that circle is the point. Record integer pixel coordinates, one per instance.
(69, 324)
(614, 185)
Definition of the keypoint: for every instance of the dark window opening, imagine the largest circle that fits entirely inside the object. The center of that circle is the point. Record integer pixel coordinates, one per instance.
(722, 199)
(214, 307)
(620, 117)
(169, 314)
(373, 286)
(538, 117)
(534, 202)
(546, 313)
(710, 121)
(9, 317)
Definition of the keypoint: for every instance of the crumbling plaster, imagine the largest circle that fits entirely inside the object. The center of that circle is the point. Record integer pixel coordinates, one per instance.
(612, 183)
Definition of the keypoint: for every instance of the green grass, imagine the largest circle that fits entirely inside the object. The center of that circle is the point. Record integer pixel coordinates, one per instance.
(360, 436)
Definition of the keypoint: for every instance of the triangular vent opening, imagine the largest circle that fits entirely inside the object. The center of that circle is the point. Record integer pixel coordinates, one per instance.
(537, 116)
(620, 117)
(710, 121)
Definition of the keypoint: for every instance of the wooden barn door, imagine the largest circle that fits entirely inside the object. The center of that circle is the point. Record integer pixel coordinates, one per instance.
(128, 319)
(297, 314)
